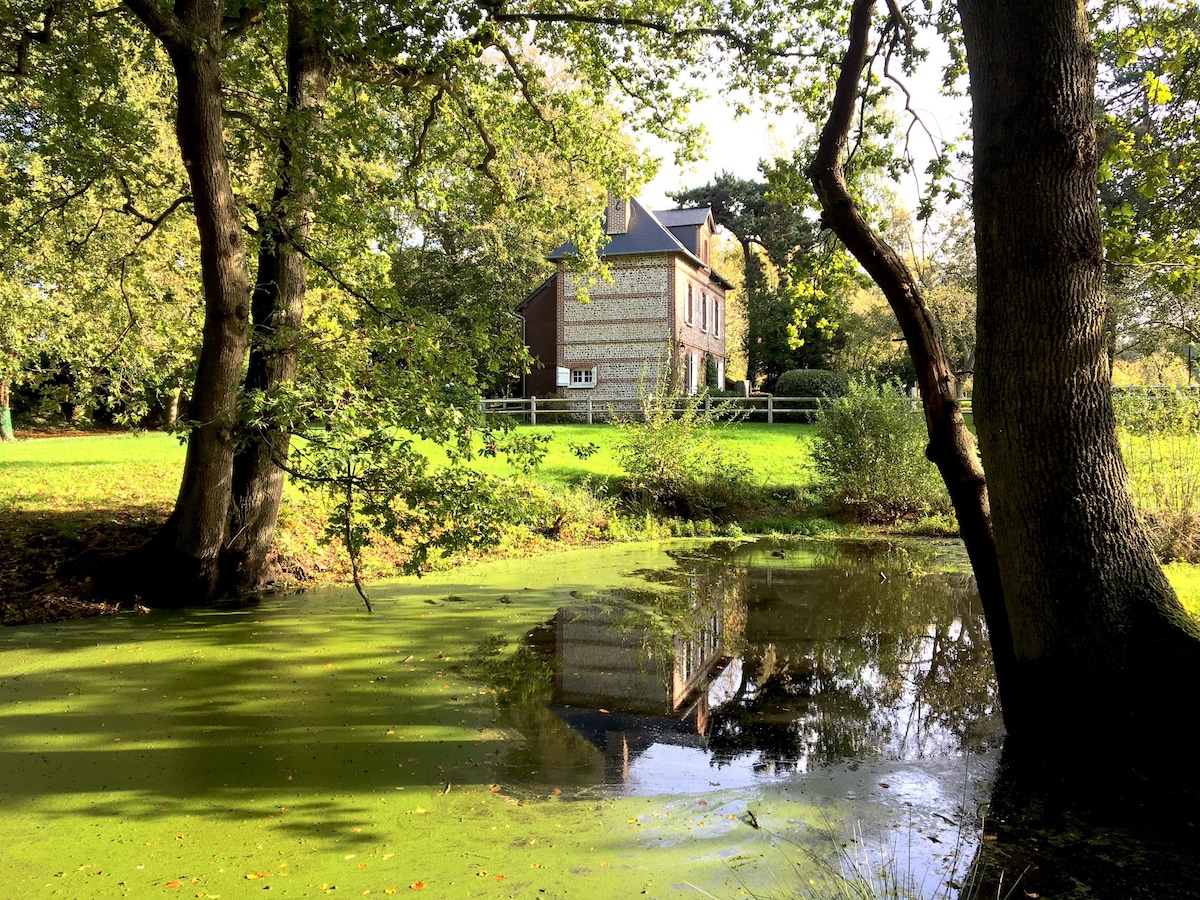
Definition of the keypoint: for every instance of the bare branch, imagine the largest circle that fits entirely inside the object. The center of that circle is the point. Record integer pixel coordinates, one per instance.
(430, 118)
(156, 222)
(485, 165)
(163, 23)
(526, 88)
(384, 74)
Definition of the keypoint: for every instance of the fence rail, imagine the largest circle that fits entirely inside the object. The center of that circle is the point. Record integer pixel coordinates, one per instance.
(549, 410)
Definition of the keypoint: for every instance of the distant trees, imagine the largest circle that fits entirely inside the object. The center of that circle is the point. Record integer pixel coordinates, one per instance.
(794, 280)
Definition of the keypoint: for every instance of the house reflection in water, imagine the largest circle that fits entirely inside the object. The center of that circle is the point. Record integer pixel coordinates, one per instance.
(766, 665)
(626, 685)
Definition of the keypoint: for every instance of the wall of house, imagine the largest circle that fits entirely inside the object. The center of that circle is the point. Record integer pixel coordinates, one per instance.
(625, 324)
(700, 335)
(541, 330)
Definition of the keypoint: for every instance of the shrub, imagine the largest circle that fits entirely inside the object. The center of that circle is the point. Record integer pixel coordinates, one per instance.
(811, 383)
(673, 460)
(870, 449)
(817, 383)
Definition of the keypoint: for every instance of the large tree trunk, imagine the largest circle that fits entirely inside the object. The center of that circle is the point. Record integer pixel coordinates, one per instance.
(181, 564)
(951, 447)
(1100, 643)
(277, 311)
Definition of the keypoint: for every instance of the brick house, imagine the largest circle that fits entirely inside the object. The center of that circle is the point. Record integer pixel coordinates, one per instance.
(665, 303)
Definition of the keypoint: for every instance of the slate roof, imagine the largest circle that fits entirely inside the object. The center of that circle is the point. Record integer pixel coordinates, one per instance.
(673, 218)
(648, 232)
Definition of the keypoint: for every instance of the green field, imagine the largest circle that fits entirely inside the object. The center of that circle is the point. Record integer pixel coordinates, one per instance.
(87, 473)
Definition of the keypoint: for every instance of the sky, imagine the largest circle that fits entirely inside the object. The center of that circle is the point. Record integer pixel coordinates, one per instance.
(737, 145)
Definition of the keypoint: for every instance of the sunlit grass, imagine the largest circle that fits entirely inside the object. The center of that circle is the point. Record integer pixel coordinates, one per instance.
(90, 473)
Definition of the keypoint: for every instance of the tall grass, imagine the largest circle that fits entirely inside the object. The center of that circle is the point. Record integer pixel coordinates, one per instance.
(1160, 441)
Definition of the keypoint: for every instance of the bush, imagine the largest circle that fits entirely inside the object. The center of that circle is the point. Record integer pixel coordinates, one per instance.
(870, 449)
(811, 383)
(674, 462)
(817, 383)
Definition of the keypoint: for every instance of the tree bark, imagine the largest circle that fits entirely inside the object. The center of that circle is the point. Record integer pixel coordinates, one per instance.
(6, 429)
(181, 563)
(277, 312)
(951, 447)
(1099, 640)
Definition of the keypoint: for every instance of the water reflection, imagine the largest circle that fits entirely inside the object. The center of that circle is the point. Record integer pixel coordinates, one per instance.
(760, 661)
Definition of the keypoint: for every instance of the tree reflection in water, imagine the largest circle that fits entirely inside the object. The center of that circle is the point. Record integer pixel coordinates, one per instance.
(782, 658)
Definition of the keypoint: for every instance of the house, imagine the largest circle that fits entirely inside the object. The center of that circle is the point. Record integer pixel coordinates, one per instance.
(666, 304)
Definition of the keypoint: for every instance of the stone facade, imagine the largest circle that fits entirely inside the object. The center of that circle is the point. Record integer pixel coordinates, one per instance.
(664, 306)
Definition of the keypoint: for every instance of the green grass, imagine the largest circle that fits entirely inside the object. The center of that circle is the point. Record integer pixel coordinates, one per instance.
(1185, 578)
(777, 455)
(89, 473)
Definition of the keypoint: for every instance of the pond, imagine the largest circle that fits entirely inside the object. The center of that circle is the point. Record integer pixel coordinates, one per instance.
(682, 719)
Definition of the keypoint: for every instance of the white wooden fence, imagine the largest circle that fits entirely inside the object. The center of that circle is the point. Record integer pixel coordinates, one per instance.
(559, 409)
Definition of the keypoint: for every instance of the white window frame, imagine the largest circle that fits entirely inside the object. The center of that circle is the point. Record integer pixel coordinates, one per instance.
(582, 377)
(716, 317)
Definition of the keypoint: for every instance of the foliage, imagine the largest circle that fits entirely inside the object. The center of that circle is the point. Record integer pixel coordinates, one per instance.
(811, 383)
(870, 448)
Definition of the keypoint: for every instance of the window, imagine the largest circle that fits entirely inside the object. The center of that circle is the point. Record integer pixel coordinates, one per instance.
(704, 312)
(583, 378)
(716, 317)
(689, 312)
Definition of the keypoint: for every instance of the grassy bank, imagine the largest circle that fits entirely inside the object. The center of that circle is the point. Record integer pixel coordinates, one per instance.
(70, 501)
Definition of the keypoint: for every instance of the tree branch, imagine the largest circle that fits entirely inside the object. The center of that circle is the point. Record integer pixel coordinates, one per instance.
(25, 42)
(163, 24)
(631, 23)
(951, 446)
(156, 222)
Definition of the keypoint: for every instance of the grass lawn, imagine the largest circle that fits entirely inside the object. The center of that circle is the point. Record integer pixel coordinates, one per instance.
(777, 455)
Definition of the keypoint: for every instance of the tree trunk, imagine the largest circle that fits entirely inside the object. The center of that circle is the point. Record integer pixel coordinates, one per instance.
(1101, 646)
(753, 283)
(180, 565)
(6, 429)
(277, 311)
(951, 447)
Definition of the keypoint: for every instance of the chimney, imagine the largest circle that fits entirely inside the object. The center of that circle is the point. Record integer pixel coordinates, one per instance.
(616, 217)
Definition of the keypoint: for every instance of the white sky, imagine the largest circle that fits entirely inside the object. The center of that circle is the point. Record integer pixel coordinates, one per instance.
(737, 145)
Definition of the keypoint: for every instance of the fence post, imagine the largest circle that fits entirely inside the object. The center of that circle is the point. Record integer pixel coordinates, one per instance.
(707, 404)
(589, 411)
(770, 410)
(533, 410)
